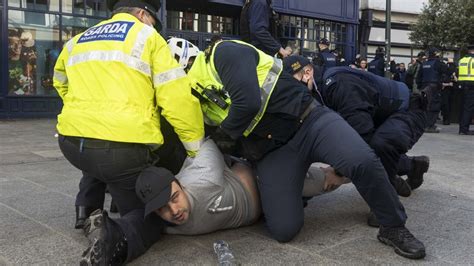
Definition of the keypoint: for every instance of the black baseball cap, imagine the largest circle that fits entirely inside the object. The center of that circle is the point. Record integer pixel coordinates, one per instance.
(152, 6)
(153, 187)
(421, 54)
(293, 64)
(324, 41)
(470, 47)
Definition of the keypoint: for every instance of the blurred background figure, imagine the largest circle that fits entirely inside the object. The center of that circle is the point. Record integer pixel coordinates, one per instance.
(466, 80)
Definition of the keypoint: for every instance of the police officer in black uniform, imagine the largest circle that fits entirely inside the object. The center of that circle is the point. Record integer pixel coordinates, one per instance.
(430, 76)
(377, 65)
(367, 103)
(258, 26)
(325, 58)
(294, 132)
(383, 113)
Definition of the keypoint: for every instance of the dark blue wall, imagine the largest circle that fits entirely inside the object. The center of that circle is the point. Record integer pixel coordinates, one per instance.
(335, 10)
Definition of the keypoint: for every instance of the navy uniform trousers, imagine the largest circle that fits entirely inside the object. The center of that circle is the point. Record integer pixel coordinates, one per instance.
(395, 137)
(467, 107)
(433, 95)
(323, 137)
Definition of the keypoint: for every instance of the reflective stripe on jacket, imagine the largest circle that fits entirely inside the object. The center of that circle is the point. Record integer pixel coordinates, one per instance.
(206, 79)
(117, 78)
(466, 68)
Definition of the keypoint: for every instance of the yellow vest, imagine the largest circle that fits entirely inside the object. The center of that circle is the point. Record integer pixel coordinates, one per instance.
(115, 79)
(466, 69)
(207, 84)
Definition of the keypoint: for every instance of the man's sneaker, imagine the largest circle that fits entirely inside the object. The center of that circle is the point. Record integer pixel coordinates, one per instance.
(372, 220)
(108, 243)
(420, 166)
(401, 186)
(433, 129)
(404, 243)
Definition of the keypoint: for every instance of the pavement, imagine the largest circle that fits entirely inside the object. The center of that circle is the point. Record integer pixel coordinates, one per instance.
(38, 188)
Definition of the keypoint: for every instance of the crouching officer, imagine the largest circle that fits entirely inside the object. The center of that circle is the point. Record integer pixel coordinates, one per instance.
(377, 108)
(430, 76)
(282, 130)
(115, 80)
(466, 79)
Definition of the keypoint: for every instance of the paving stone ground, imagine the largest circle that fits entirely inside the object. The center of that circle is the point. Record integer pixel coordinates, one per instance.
(38, 187)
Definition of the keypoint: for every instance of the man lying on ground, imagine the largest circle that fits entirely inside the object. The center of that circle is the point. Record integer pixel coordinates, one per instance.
(208, 195)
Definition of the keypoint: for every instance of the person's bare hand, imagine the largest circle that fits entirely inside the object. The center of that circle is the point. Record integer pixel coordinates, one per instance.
(284, 53)
(331, 180)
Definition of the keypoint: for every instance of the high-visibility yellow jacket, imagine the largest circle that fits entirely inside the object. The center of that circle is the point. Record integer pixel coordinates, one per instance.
(466, 68)
(204, 73)
(115, 79)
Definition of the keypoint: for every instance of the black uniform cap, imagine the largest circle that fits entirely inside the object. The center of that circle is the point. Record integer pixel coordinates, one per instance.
(324, 41)
(152, 6)
(293, 64)
(432, 51)
(153, 187)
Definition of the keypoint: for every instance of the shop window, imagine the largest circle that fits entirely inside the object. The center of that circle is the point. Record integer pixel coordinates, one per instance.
(32, 51)
(190, 21)
(85, 7)
(309, 31)
(71, 26)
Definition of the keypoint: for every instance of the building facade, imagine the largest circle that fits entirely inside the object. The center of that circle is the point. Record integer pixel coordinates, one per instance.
(33, 32)
(372, 28)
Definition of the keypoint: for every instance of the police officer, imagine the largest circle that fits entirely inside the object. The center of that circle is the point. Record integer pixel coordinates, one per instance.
(377, 65)
(282, 130)
(466, 79)
(324, 58)
(430, 76)
(115, 80)
(258, 26)
(384, 122)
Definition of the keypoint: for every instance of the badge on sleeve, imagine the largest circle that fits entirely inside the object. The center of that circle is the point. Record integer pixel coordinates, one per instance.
(114, 31)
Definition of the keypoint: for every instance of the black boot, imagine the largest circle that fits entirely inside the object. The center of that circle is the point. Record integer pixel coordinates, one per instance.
(420, 166)
(404, 243)
(82, 213)
(108, 243)
(401, 186)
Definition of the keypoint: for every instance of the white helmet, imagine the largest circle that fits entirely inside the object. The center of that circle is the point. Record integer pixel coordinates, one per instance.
(182, 50)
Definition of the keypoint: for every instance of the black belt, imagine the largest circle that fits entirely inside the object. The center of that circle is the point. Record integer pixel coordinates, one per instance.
(97, 143)
(307, 111)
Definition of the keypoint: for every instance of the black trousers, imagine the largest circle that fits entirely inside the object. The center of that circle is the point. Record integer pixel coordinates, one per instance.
(467, 108)
(394, 137)
(323, 137)
(446, 95)
(170, 155)
(118, 165)
(433, 94)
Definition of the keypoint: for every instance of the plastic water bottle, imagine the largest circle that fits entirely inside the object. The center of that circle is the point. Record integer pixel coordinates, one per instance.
(224, 254)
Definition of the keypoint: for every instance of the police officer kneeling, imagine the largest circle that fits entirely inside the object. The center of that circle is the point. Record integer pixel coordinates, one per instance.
(114, 79)
(282, 130)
